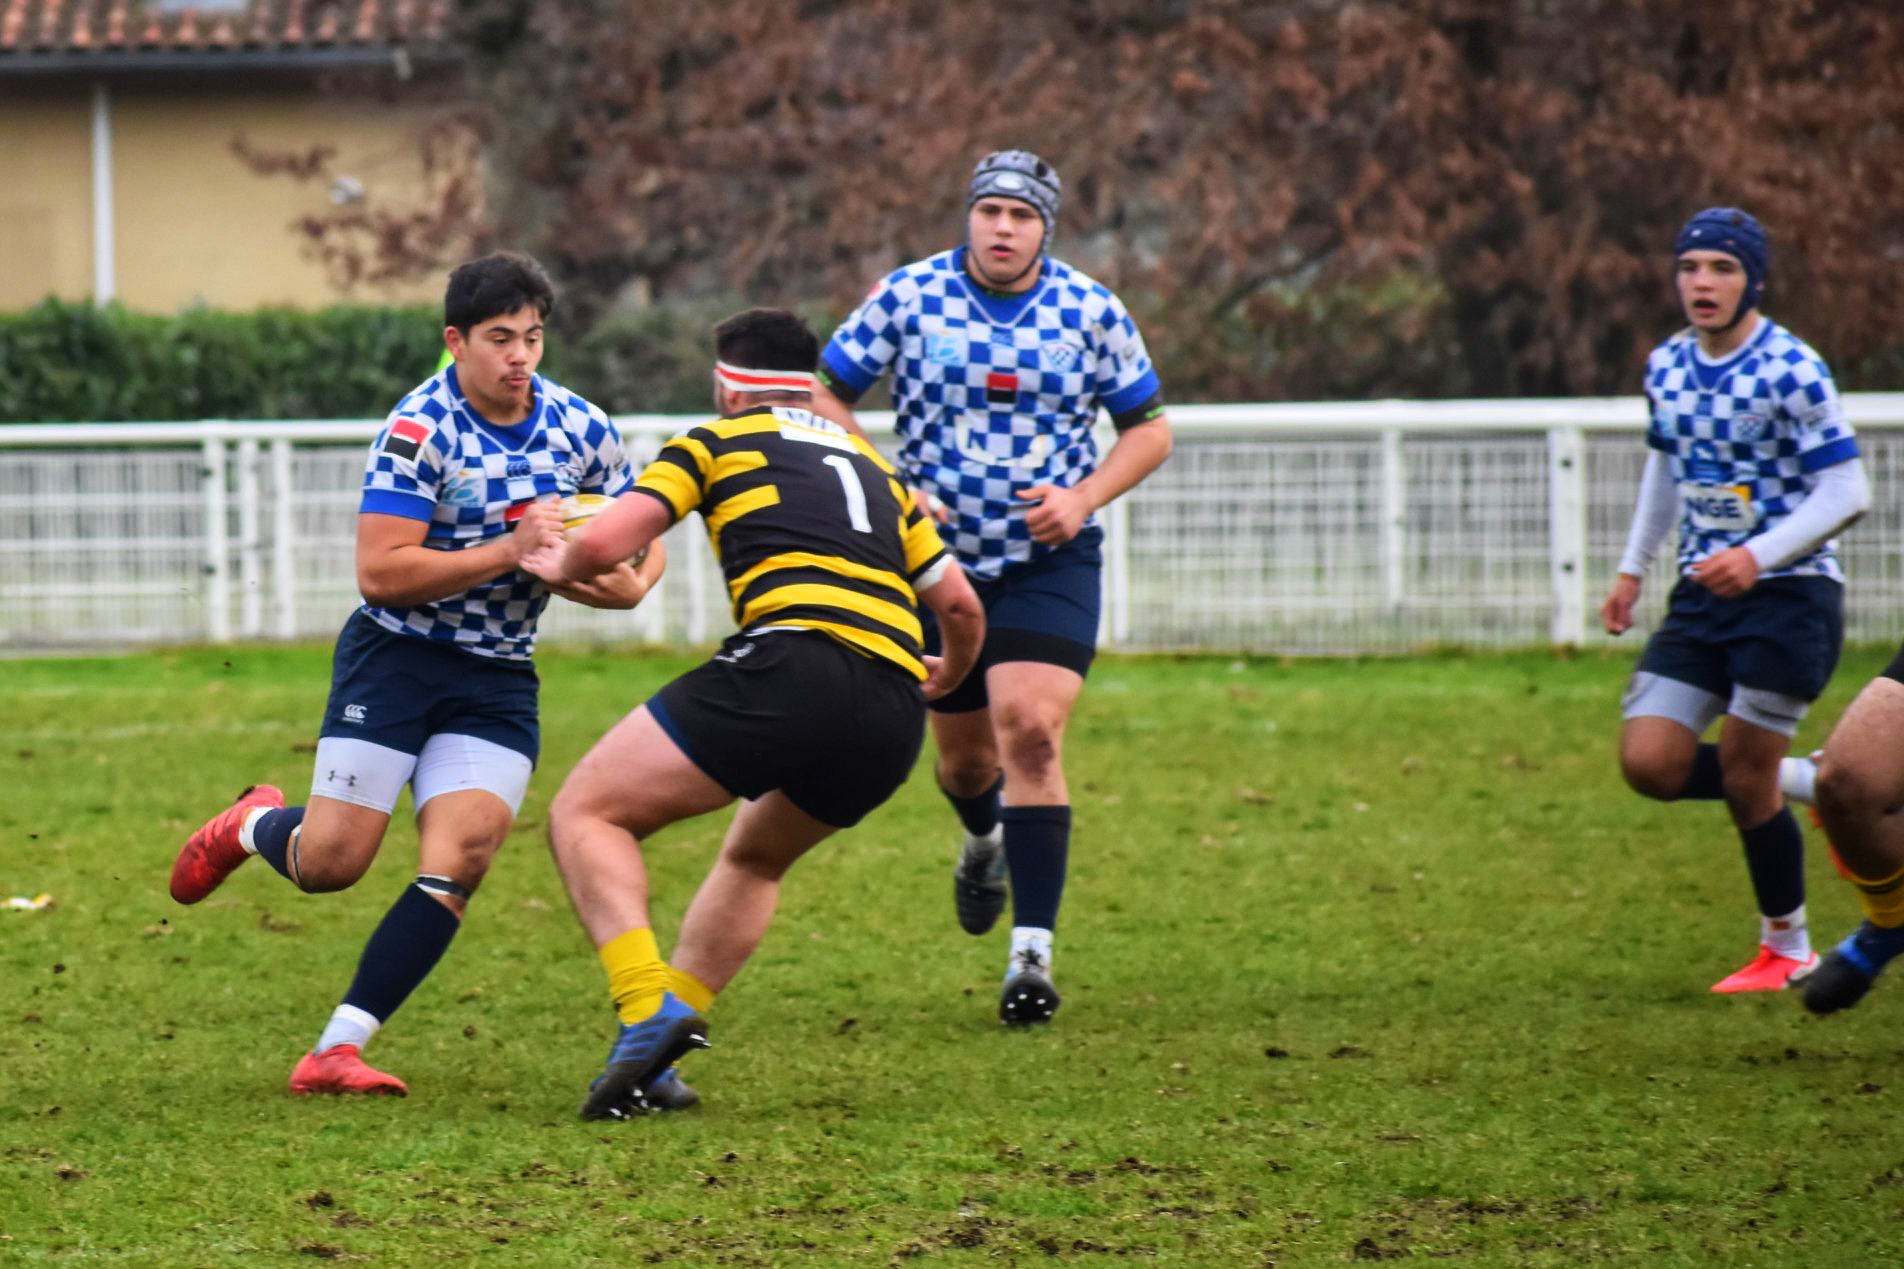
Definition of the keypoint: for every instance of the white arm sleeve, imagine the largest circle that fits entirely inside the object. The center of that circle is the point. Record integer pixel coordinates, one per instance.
(1841, 495)
(1653, 515)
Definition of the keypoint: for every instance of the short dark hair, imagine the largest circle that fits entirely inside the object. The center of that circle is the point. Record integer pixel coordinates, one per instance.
(767, 339)
(494, 285)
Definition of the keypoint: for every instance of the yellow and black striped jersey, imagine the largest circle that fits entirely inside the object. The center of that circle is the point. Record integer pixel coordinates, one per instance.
(811, 526)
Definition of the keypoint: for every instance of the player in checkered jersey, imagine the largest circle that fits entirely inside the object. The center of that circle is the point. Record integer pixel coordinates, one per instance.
(431, 682)
(1752, 455)
(1001, 359)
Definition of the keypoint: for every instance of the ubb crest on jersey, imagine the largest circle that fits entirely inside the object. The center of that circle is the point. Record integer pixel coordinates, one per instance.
(580, 508)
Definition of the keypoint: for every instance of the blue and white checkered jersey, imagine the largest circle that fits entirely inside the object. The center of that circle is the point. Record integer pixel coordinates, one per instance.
(994, 394)
(1746, 438)
(439, 461)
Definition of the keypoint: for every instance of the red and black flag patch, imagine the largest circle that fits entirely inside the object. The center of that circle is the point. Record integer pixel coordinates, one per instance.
(406, 437)
(1001, 388)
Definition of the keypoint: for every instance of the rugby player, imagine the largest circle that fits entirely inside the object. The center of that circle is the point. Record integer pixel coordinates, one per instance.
(1752, 456)
(432, 684)
(812, 713)
(1001, 358)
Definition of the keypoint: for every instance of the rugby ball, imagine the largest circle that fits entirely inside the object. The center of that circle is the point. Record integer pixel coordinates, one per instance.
(579, 508)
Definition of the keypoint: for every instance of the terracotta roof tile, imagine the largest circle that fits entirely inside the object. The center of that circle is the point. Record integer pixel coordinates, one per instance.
(41, 27)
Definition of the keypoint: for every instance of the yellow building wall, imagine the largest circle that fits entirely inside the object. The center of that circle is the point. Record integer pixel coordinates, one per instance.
(193, 223)
(46, 233)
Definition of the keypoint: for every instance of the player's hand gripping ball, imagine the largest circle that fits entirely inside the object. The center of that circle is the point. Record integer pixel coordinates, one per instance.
(578, 509)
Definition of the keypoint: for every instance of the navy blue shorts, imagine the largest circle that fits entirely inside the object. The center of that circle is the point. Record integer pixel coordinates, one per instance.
(399, 690)
(1044, 610)
(1783, 636)
(835, 730)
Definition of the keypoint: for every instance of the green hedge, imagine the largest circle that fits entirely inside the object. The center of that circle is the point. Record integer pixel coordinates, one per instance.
(74, 362)
(66, 362)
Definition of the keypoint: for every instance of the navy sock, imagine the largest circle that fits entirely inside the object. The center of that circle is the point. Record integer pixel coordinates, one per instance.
(1775, 856)
(408, 943)
(1705, 783)
(272, 836)
(1037, 849)
(978, 814)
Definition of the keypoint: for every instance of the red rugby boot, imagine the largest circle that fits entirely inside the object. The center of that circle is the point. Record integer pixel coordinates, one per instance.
(342, 1069)
(213, 851)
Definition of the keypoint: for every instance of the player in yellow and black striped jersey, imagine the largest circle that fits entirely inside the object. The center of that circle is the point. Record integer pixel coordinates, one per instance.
(813, 713)
(792, 501)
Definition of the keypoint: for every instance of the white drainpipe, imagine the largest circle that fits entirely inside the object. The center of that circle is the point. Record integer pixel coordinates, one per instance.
(105, 285)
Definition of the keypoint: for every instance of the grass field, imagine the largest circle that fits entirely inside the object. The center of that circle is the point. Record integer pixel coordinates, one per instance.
(1361, 960)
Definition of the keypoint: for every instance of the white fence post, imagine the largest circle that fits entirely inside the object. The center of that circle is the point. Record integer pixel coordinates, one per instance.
(250, 543)
(698, 557)
(1567, 532)
(217, 542)
(1115, 627)
(1394, 518)
(283, 556)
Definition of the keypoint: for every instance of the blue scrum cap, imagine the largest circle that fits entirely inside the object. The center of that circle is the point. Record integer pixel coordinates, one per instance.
(1737, 234)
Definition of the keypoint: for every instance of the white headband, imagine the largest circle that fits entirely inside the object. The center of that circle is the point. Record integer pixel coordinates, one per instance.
(735, 379)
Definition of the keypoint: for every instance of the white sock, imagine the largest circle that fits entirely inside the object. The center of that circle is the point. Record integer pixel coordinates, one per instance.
(1797, 779)
(348, 1025)
(1787, 935)
(1029, 938)
(987, 845)
(244, 830)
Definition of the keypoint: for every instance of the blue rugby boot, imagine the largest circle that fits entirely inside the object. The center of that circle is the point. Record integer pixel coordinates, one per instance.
(641, 1058)
(671, 1092)
(1847, 973)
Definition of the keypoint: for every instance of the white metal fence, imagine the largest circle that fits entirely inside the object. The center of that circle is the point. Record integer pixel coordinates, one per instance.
(1328, 528)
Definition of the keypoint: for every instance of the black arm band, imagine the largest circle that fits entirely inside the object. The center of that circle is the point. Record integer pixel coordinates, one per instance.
(847, 395)
(1151, 409)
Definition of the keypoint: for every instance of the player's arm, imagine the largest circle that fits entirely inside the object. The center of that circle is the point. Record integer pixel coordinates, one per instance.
(633, 523)
(1841, 496)
(395, 569)
(1143, 443)
(1827, 449)
(622, 586)
(945, 590)
(833, 399)
(610, 473)
(1653, 514)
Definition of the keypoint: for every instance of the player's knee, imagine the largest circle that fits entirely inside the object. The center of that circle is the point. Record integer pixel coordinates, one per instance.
(1843, 791)
(323, 862)
(328, 871)
(1749, 787)
(471, 860)
(1651, 778)
(1031, 748)
(967, 776)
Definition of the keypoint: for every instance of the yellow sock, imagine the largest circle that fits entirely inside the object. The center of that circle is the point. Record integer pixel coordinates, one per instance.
(1883, 900)
(636, 973)
(690, 990)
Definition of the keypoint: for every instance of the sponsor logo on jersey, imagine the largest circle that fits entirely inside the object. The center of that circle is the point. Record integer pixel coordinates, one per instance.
(1059, 354)
(517, 467)
(1747, 427)
(405, 439)
(943, 349)
(1001, 388)
(465, 489)
(352, 714)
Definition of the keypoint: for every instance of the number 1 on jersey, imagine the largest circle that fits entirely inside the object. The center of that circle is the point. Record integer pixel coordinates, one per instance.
(855, 492)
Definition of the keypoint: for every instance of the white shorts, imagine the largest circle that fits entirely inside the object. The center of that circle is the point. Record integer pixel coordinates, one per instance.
(367, 774)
